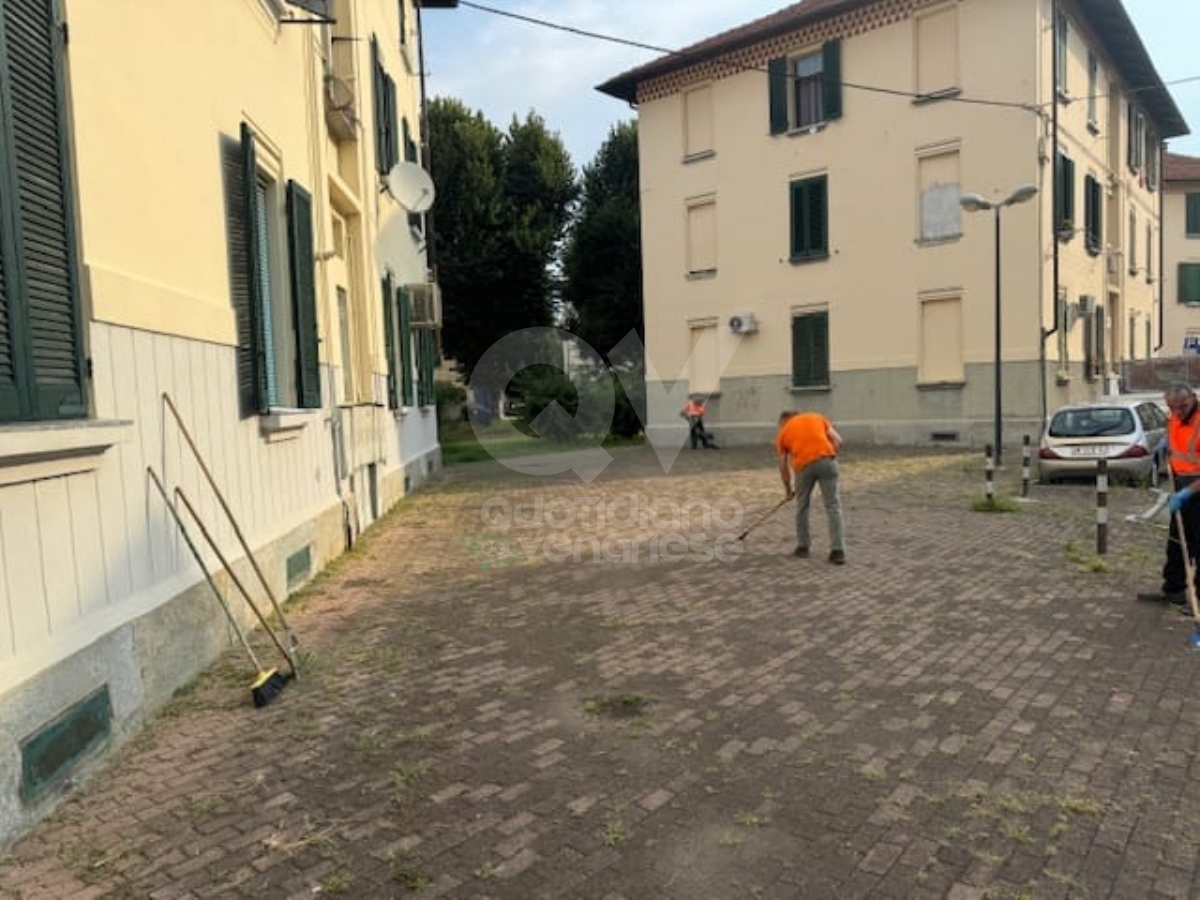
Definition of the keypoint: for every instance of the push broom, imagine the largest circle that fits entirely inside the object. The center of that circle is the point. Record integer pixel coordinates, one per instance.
(774, 509)
(1189, 568)
(268, 682)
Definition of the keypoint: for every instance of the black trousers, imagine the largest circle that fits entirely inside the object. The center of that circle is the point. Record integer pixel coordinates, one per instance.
(1174, 574)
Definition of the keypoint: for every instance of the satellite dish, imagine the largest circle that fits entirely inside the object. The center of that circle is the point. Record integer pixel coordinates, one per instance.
(411, 187)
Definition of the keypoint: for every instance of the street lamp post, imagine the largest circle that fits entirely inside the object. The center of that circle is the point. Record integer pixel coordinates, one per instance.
(975, 203)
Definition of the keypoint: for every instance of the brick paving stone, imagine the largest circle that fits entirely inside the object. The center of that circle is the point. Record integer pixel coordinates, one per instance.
(968, 710)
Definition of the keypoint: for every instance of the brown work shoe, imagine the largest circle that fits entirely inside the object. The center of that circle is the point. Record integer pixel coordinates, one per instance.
(837, 557)
(801, 552)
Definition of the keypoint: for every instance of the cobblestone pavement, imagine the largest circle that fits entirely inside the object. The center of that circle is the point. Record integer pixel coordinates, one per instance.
(973, 707)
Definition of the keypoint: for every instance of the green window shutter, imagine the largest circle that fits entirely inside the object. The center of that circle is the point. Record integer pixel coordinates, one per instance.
(389, 340)
(777, 72)
(1131, 149)
(41, 314)
(406, 360)
(810, 218)
(810, 350)
(1189, 282)
(1193, 214)
(390, 119)
(304, 295)
(379, 96)
(1064, 194)
(832, 82)
(253, 389)
(237, 237)
(10, 397)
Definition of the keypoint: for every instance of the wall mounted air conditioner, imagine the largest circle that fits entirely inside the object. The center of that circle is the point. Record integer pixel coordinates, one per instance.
(425, 305)
(743, 323)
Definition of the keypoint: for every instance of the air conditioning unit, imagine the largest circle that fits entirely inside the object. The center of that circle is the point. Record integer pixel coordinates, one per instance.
(743, 323)
(425, 305)
(1114, 263)
(1087, 305)
(340, 113)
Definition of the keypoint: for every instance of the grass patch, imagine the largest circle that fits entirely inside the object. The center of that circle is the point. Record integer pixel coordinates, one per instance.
(621, 706)
(461, 443)
(995, 504)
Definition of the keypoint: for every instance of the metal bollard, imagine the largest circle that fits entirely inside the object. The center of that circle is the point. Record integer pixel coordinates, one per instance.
(1101, 507)
(1026, 456)
(989, 471)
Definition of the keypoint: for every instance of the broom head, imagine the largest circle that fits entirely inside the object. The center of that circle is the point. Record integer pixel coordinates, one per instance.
(266, 687)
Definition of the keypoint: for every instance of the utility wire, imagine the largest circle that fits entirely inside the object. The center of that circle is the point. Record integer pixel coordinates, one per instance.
(954, 98)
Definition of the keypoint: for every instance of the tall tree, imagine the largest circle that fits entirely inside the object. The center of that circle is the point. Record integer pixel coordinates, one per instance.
(603, 258)
(503, 204)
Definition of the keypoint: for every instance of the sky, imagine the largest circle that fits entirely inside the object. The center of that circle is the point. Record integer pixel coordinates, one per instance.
(504, 67)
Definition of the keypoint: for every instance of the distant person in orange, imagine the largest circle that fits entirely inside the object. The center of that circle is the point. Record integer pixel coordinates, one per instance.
(693, 411)
(808, 444)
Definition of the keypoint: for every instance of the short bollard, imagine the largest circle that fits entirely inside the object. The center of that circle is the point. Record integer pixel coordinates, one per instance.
(1026, 456)
(1101, 507)
(989, 472)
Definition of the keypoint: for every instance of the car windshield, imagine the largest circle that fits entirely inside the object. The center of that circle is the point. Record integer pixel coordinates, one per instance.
(1091, 422)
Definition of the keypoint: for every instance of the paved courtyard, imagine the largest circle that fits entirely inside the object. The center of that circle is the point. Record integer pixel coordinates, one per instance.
(973, 707)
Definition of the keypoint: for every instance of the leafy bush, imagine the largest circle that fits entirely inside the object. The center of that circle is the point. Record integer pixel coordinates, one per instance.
(447, 393)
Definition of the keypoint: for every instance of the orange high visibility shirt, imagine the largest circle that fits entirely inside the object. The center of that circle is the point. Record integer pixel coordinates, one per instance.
(694, 408)
(1183, 442)
(806, 438)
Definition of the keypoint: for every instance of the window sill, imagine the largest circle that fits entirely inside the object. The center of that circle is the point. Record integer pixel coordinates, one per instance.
(286, 424)
(955, 385)
(800, 260)
(938, 242)
(935, 96)
(1093, 128)
(810, 388)
(699, 156)
(702, 275)
(797, 131)
(33, 451)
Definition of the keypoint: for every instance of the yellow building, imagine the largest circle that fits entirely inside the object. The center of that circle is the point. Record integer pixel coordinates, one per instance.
(805, 243)
(200, 213)
(1181, 255)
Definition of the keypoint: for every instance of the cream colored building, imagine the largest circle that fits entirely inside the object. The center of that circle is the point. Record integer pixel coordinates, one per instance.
(194, 215)
(802, 175)
(1181, 255)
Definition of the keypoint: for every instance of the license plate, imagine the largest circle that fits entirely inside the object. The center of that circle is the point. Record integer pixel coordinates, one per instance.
(1093, 450)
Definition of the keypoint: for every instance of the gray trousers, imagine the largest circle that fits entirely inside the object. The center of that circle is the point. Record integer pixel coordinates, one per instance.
(824, 472)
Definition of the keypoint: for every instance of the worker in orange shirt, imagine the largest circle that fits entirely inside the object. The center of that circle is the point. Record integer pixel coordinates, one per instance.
(808, 444)
(693, 411)
(1183, 447)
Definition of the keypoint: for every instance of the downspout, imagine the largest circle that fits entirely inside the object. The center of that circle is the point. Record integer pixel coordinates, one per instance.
(430, 252)
(1162, 245)
(1047, 333)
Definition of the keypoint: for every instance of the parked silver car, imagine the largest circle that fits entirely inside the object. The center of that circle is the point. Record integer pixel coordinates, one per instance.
(1125, 431)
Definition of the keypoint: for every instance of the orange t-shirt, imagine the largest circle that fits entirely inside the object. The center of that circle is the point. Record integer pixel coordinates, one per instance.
(806, 438)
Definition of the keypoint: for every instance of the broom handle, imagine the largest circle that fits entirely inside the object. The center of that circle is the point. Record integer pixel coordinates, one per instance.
(774, 509)
(1188, 569)
(212, 482)
(233, 576)
(203, 568)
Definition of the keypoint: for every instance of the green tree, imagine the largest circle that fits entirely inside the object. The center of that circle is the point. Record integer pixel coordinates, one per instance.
(603, 258)
(503, 203)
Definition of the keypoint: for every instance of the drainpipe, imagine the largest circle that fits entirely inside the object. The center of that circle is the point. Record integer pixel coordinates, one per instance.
(1162, 246)
(1047, 333)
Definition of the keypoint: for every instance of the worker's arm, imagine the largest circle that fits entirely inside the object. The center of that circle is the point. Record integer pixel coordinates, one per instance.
(785, 472)
(834, 438)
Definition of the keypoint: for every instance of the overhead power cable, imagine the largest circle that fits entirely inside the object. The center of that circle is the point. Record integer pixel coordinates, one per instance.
(683, 55)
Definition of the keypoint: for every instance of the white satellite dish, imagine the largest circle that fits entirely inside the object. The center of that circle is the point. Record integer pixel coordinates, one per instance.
(411, 187)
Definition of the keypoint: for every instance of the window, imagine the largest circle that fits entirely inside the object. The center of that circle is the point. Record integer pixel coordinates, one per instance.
(1061, 38)
(941, 359)
(41, 359)
(810, 350)
(397, 339)
(1149, 254)
(697, 122)
(1137, 139)
(1093, 97)
(941, 215)
(1192, 216)
(1189, 282)
(1151, 157)
(427, 360)
(1133, 242)
(810, 219)
(702, 237)
(704, 370)
(1064, 197)
(1093, 214)
(272, 282)
(387, 150)
(805, 90)
(937, 53)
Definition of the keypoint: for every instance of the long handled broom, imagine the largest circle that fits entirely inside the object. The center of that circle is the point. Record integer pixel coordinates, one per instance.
(774, 509)
(268, 682)
(1189, 568)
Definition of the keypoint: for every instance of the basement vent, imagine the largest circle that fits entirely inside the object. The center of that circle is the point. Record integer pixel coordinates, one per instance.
(944, 437)
(49, 755)
(299, 565)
